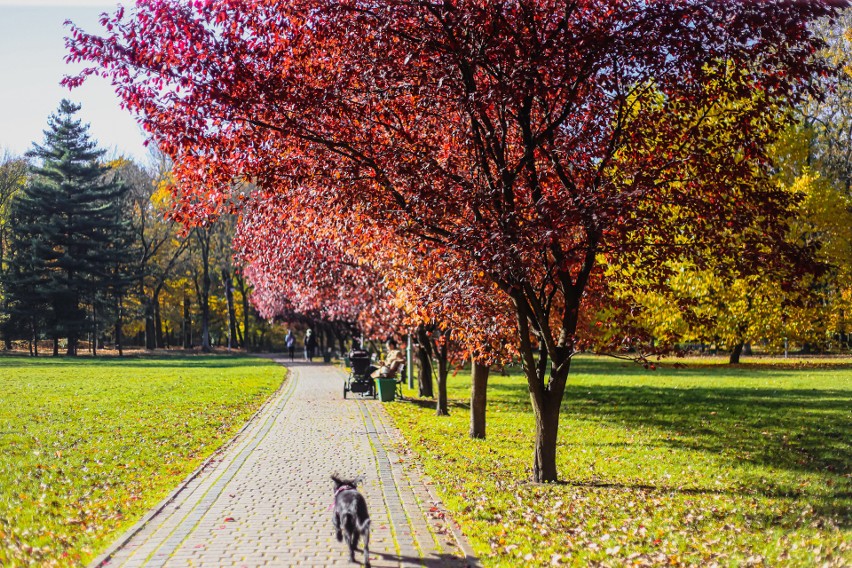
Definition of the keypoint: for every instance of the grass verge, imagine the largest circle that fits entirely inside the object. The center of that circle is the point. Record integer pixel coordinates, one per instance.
(703, 465)
(87, 446)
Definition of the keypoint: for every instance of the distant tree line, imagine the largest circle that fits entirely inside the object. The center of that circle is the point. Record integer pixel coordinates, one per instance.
(89, 258)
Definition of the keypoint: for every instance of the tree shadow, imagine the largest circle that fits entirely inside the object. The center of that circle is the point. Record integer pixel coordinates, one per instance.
(795, 429)
(799, 430)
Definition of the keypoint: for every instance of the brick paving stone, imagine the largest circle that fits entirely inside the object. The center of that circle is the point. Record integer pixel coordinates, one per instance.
(265, 500)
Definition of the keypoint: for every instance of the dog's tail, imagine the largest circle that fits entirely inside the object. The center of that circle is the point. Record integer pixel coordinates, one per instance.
(364, 529)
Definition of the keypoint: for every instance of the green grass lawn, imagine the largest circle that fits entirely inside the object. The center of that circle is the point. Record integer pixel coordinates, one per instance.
(703, 465)
(87, 446)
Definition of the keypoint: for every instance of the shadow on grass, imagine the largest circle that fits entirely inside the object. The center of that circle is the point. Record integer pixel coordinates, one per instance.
(801, 430)
(775, 493)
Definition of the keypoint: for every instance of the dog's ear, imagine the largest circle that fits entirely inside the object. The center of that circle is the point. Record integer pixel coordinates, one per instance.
(337, 481)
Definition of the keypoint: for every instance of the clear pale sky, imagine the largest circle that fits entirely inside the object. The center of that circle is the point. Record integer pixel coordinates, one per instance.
(32, 52)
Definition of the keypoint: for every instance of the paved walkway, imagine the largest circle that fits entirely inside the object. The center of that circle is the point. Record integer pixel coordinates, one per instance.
(266, 499)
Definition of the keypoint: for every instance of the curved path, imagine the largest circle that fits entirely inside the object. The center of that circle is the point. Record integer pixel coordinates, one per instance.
(265, 500)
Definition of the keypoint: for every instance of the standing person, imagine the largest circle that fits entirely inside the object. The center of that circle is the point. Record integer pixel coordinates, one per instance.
(290, 341)
(310, 345)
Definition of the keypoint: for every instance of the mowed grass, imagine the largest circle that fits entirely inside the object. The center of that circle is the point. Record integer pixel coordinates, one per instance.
(703, 465)
(87, 446)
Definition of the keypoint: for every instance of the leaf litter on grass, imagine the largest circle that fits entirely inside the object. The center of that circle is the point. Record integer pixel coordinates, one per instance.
(708, 466)
(88, 445)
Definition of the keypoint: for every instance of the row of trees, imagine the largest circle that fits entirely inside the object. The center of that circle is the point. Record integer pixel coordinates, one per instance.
(87, 253)
(528, 177)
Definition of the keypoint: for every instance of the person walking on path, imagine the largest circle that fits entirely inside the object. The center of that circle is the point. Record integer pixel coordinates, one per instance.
(310, 345)
(265, 499)
(290, 341)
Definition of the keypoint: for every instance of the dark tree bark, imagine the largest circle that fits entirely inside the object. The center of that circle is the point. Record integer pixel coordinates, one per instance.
(232, 314)
(546, 433)
(546, 392)
(71, 351)
(158, 320)
(186, 324)
(735, 354)
(7, 331)
(478, 398)
(442, 408)
(202, 235)
(119, 320)
(150, 332)
(424, 356)
(94, 328)
(241, 286)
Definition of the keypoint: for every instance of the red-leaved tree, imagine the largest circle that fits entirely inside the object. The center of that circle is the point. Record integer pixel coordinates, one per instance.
(305, 266)
(533, 140)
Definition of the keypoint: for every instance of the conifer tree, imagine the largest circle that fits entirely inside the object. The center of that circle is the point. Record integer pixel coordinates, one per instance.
(70, 235)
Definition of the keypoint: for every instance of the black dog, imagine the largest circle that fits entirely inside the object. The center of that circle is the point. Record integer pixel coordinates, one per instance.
(350, 516)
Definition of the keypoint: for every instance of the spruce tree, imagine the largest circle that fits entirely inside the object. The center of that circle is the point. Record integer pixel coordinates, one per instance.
(70, 233)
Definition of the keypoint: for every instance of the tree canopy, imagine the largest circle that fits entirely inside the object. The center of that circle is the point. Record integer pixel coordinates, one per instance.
(529, 144)
(70, 236)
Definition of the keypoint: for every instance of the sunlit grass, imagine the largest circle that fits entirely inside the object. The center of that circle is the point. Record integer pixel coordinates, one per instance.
(87, 446)
(701, 465)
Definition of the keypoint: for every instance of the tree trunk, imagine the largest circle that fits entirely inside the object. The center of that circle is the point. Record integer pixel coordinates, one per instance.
(186, 324)
(735, 354)
(34, 340)
(442, 408)
(479, 384)
(546, 432)
(244, 342)
(232, 314)
(424, 355)
(150, 333)
(204, 295)
(118, 325)
(546, 388)
(7, 337)
(158, 320)
(241, 339)
(94, 328)
(205, 317)
(55, 346)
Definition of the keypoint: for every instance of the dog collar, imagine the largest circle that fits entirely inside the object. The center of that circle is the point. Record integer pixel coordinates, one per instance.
(343, 488)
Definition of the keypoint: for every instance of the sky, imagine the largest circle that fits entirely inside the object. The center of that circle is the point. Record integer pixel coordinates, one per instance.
(32, 52)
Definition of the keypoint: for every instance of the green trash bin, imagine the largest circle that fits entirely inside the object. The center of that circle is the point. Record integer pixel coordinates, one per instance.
(387, 389)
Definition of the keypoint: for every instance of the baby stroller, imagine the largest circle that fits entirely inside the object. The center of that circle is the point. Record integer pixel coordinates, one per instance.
(359, 380)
